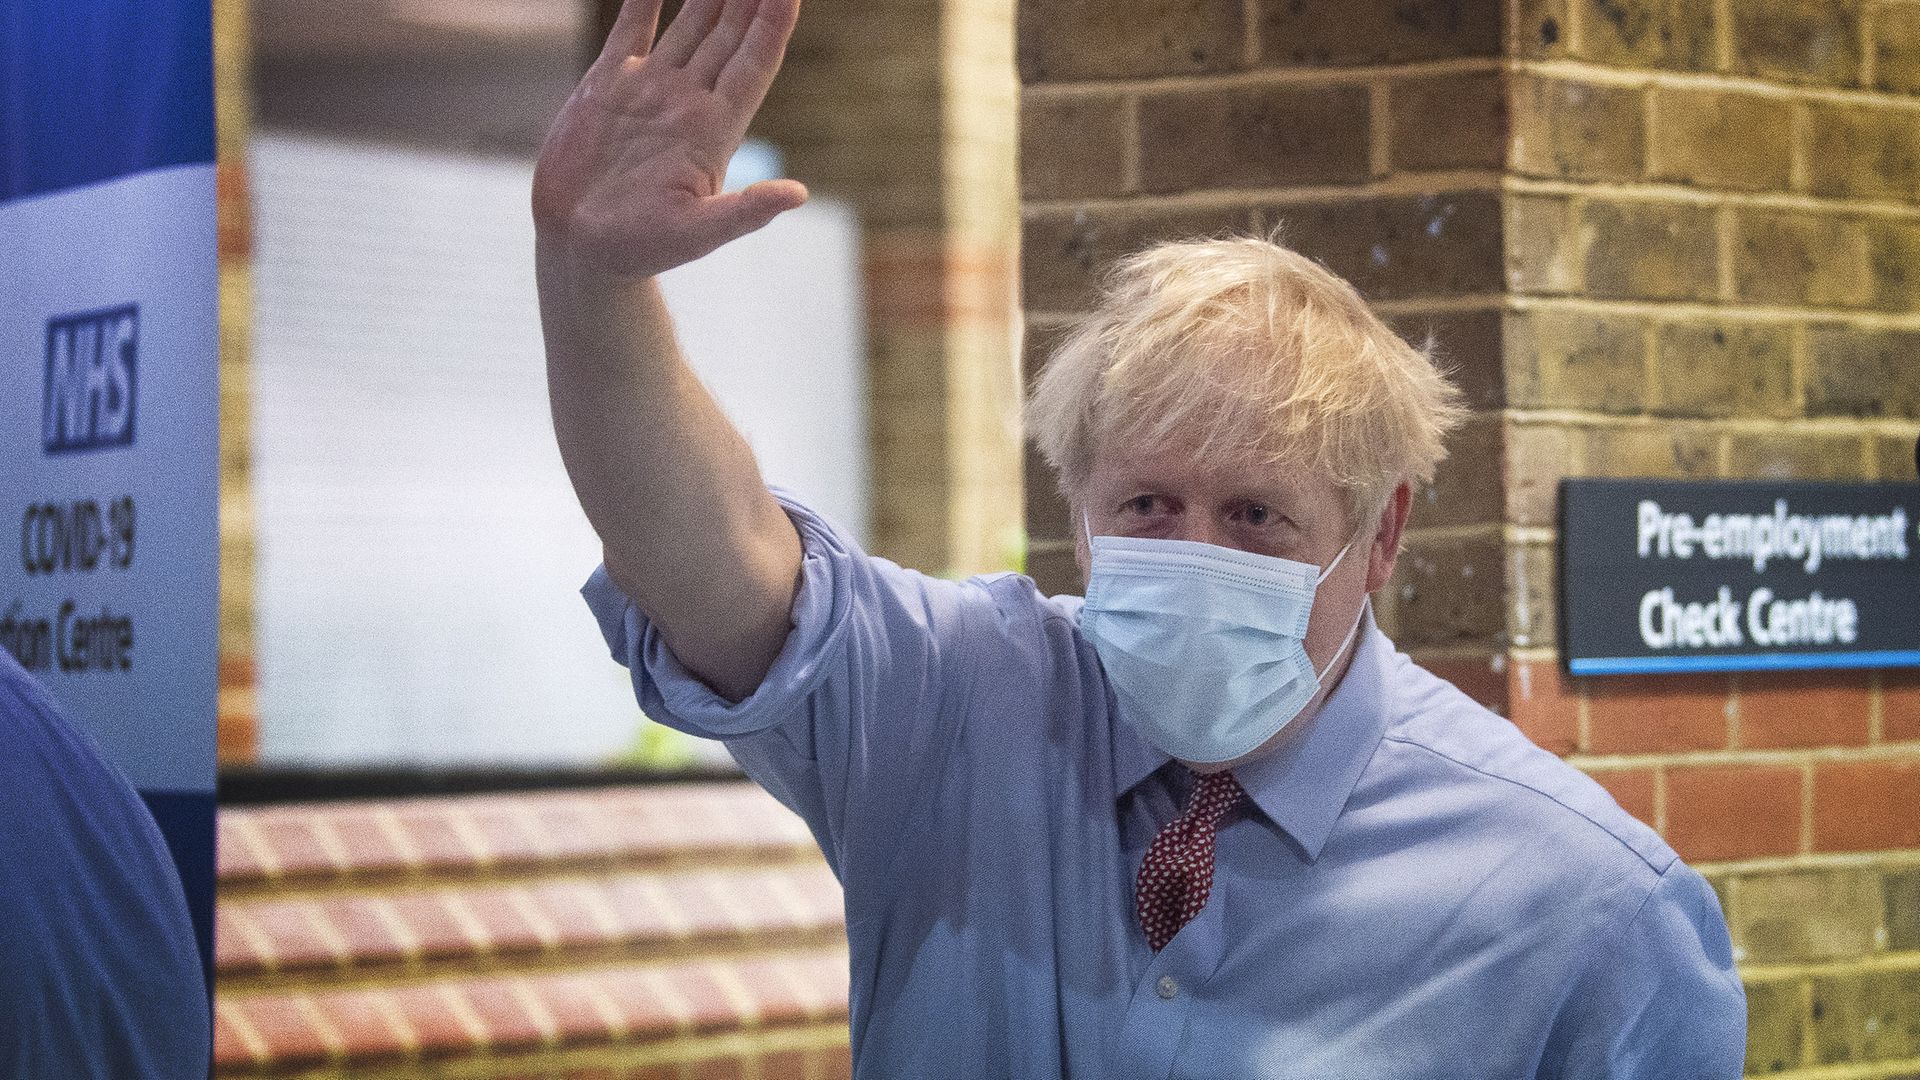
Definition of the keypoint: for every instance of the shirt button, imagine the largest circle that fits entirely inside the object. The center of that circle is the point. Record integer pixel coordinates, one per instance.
(1167, 988)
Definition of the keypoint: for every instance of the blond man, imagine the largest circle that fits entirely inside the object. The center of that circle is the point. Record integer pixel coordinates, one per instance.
(1206, 822)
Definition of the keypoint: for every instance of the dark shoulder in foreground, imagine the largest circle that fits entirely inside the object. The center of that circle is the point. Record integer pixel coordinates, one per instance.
(103, 975)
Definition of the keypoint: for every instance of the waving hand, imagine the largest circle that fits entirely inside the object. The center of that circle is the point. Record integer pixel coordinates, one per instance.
(629, 178)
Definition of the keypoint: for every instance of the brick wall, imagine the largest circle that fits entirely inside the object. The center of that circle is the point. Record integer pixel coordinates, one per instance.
(1677, 238)
(906, 110)
(239, 725)
(675, 933)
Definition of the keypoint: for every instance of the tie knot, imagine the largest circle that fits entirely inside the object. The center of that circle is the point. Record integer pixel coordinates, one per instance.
(1213, 793)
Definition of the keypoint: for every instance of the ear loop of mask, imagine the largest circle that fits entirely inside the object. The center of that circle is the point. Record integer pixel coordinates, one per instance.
(1359, 616)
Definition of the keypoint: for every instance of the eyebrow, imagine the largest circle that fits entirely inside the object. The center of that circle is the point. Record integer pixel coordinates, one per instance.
(1275, 497)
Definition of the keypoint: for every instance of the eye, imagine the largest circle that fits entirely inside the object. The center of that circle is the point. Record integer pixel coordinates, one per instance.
(1257, 514)
(1143, 505)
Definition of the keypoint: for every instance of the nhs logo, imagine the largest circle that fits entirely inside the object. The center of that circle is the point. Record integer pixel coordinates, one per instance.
(92, 372)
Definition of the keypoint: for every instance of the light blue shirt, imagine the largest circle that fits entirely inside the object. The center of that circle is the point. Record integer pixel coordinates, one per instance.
(1416, 890)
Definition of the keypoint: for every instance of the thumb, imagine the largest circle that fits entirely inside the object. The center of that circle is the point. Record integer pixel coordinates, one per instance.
(738, 213)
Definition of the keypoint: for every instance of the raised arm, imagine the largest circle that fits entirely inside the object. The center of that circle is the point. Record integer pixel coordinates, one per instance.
(629, 185)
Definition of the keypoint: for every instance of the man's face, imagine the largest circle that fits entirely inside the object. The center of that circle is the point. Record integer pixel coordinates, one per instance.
(1288, 513)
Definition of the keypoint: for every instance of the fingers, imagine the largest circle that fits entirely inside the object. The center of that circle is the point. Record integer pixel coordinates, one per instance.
(632, 33)
(719, 46)
(738, 213)
(686, 32)
(749, 73)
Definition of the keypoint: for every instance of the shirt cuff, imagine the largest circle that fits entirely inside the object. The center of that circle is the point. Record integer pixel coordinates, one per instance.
(671, 694)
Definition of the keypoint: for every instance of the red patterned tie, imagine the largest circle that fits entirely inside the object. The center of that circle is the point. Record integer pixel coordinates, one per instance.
(1177, 873)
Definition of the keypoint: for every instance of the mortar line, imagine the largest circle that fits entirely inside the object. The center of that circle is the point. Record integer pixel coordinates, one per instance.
(1797, 350)
(1732, 712)
(1790, 758)
(1693, 309)
(1379, 125)
(1723, 229)
(1869, 66)
(1660, 191)
(1130, 143)
(1434, 184)
(1250, 33)
(1659, 792)
(1898, 859)
(1280, 76)
(1799, 134)
(1738, 425)
(1583, 738)
(1876, 712)
(1781, 971)
(1642, 79)
(1806, 808)
(1723, 34)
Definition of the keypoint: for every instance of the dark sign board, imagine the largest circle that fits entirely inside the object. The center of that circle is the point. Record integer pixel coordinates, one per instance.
(1668, 576)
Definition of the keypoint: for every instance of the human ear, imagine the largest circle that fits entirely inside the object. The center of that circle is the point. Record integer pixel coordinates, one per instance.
(1385, 549)
(1082, 540)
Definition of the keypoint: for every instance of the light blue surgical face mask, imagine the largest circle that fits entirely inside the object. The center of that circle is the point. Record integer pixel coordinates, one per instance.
(1204, 646)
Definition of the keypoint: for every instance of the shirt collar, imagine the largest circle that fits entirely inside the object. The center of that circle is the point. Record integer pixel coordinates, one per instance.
(1303, 785)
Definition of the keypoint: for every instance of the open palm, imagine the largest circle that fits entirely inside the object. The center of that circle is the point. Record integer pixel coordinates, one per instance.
(630, 175)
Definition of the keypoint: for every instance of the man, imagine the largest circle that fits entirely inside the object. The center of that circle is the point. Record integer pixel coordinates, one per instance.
(99, 974)
(1208, 824)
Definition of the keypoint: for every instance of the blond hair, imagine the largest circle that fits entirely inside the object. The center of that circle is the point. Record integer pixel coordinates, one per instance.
(1242, 350)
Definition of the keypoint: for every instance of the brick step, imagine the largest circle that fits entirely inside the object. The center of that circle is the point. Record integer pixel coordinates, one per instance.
(466, 837)
(576, 918)
(277, 1032)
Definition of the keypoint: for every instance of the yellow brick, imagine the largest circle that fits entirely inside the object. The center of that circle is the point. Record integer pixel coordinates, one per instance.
(1863, 151)
(1854, 371)
(1796, 257)
(1065, 40)
(1797, 41)
(1072, 148)
(1538, 456)
(1650, 251)
(1449, 593)
(1866, 1016)
(1676, 34)
(1569, 359)
(1724, 368)
(1779, 917)
(1576, 130)
(1543, 245)
(1454, 121)
(1776, 1026)
(1670, 451)
(1720, 139)
(1896, 47)
(1465, 491)
(1787, 454)
(1893, 263)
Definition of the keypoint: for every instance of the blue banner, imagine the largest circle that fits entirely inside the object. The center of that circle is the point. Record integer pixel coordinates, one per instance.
(91, 90)
(109, 383)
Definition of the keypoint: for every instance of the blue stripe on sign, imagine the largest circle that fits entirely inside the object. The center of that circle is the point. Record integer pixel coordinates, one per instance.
(91, 90)
(186, 819)
(1650, 665)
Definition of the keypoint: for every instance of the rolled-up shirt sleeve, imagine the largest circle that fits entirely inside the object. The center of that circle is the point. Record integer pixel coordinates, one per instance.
(1660, 997)
(860, 705)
